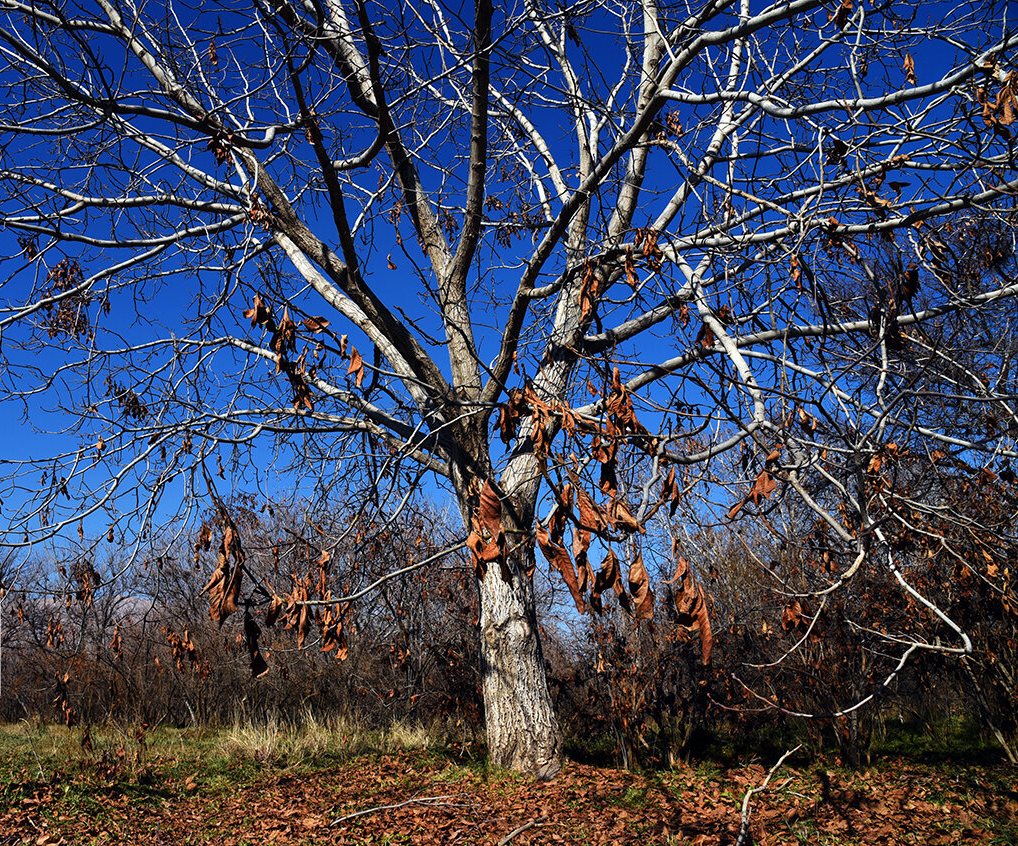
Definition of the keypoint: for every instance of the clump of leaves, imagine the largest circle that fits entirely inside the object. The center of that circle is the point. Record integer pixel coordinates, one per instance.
(68, 299)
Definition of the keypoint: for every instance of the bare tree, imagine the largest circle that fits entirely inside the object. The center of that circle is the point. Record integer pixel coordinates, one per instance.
(645, 234)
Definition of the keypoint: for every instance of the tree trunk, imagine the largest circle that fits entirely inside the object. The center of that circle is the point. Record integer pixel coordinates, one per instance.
(523, 733)
(522, 730)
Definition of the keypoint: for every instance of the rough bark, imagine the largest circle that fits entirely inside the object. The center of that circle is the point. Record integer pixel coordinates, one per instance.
(522, 731)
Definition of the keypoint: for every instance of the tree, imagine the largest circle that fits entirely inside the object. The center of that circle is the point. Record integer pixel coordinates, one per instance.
(431, 213)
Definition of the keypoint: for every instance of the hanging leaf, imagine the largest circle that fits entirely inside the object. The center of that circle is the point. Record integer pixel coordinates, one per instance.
(631, 278)
(297, 615)
(592, 516)
(356, 367)
(284, 339)
(589, 285)
(558, 557)
(762, 488)
(670, 491)
(639, 588)
(842, 14)
(706, 337)
(276, 607)
(259, 314)
(609, 576)
(224, 585)
(793, 619)
(909, 66)
(486, 539)
(333, 633)
(251, 632)
(796, 269)
(489, 510)
(316, 324)
(807, 421)
(609, 481)
(691, 605)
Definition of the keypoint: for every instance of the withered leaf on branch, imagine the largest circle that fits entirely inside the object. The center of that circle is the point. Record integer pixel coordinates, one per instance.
(619, 406)
(631, 278)
(224, 585)
(807, 421)
(639, 587)
(316, 324)
(796, 270)
(609, 481)
(670, 491)
(622, 518)
(333, 632)
(323, 570)
(908, 65)
(581, 544)
(284, 339)
(116, 644)
(762, 488)
(592, 516)
(609, 576)
(260, 314)
(276, 606)
(356, 367)
(486, 539)
(1000, 112)
(509, 414)
(560, 514)
(558, 557)
(705, 337)
(297, 614)
(589, 285)
(793, 618)
(259, 667)
(489, 510)
(296, 374)
(842, 14)
(182, 647)
(691, 605)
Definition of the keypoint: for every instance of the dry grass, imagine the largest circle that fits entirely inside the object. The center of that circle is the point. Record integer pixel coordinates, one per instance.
(291, 742)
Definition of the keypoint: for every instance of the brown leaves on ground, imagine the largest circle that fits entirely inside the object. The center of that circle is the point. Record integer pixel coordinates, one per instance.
(898, 803)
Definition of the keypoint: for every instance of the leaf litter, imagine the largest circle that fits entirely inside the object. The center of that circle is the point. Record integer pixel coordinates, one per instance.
(427, 799)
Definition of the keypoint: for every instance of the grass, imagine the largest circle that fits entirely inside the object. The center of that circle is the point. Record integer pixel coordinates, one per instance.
(956, 740)
(156, 763)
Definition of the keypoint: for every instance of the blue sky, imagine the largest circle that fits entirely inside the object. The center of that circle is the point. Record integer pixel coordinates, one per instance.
(192, 298)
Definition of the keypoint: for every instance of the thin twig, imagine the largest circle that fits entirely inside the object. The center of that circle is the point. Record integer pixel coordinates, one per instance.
(743, 837)
(516, 832)
(423, 800)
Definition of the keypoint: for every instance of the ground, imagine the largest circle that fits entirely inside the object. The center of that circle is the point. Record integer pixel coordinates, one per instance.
(193, 788)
